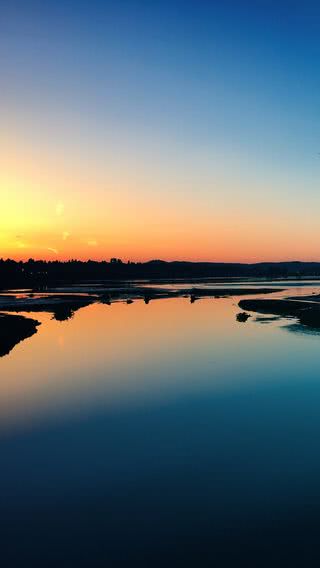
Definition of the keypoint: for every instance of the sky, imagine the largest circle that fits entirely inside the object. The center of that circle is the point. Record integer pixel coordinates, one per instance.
(180, 130)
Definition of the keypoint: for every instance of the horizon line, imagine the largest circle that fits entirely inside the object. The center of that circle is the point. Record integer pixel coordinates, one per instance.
(116, 260)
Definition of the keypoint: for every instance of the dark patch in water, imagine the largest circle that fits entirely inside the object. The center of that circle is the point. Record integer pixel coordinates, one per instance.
(242, 317)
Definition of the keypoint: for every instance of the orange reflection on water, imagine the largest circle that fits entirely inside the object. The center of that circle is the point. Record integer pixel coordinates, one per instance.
(119, 353)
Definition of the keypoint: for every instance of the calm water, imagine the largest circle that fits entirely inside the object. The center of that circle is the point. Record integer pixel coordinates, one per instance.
(164, 434)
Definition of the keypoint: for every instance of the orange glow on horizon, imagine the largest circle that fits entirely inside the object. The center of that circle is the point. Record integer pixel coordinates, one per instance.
(59, 212)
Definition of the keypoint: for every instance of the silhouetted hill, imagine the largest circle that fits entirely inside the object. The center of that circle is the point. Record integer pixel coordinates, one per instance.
(41, 273)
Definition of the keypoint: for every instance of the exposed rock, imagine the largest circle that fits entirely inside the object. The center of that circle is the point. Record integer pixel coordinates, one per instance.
(242, 317)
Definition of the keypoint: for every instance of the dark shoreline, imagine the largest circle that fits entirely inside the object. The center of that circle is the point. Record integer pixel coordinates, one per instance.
(44, 274)
(14, 329)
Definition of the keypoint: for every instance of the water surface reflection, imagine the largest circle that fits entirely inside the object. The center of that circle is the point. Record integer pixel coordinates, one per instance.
(156, 434)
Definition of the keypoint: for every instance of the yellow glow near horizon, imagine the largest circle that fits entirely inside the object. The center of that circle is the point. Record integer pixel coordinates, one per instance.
(54, 210)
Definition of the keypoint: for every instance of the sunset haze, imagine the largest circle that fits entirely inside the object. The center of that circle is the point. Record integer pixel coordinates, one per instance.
(174, 130)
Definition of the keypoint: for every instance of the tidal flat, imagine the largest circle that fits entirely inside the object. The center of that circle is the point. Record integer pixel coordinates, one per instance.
(306, 309)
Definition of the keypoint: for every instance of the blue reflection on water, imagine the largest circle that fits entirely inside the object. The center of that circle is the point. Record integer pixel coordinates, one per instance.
(195, 475)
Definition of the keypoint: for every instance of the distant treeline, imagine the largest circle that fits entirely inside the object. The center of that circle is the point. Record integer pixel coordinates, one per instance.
(47, 273)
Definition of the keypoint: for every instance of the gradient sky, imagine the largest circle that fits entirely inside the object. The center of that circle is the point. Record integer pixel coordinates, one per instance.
(182, 129)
